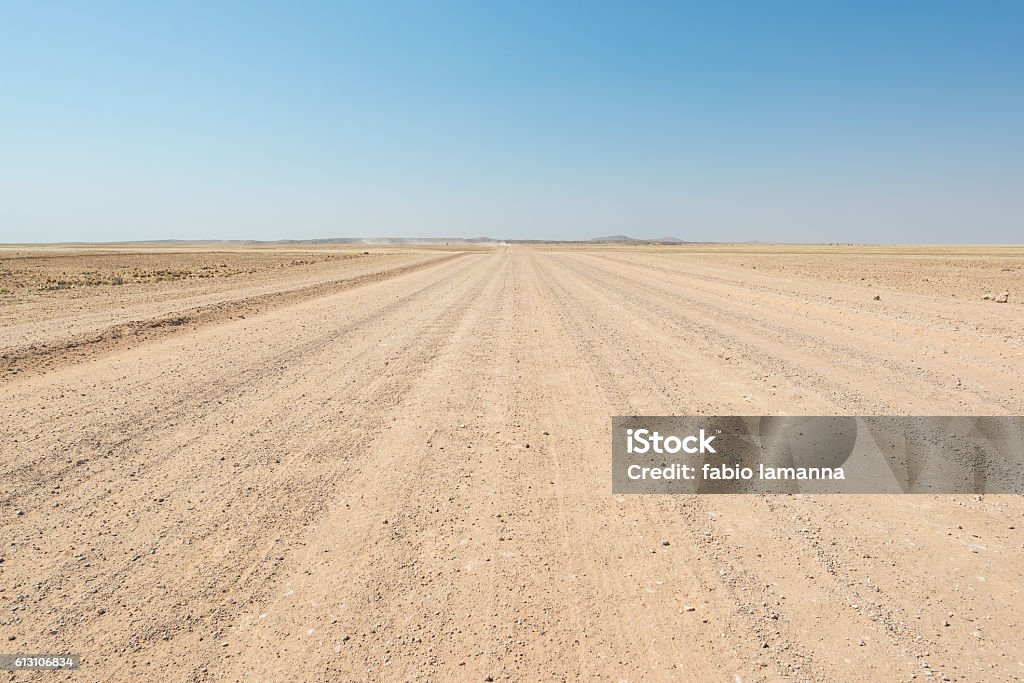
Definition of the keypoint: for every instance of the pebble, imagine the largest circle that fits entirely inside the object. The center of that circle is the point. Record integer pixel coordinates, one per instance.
(1002, 298)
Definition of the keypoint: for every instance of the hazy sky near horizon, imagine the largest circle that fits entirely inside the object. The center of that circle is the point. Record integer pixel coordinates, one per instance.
(779, 121)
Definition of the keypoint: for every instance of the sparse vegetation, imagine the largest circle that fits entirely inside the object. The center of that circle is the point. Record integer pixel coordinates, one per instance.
(48, 272)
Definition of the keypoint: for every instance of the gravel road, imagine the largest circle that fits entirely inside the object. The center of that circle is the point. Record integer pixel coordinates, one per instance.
(398, 468)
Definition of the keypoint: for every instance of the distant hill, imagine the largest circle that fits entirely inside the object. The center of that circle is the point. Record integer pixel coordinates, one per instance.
(613, 238)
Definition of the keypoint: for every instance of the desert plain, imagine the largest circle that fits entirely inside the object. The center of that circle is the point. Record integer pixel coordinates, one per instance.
(228, 462)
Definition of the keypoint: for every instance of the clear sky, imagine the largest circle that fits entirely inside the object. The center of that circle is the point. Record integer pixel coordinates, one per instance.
(777, 121)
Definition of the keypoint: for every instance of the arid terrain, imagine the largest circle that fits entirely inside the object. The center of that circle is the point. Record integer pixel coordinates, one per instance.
(380, 463)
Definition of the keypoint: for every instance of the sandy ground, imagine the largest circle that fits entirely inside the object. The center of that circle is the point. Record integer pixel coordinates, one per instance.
(397, 467)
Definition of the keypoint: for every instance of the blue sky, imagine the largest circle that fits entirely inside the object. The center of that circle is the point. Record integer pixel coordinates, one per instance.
(776, 121)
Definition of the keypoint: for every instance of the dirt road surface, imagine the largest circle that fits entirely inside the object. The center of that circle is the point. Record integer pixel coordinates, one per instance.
(397, 467)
